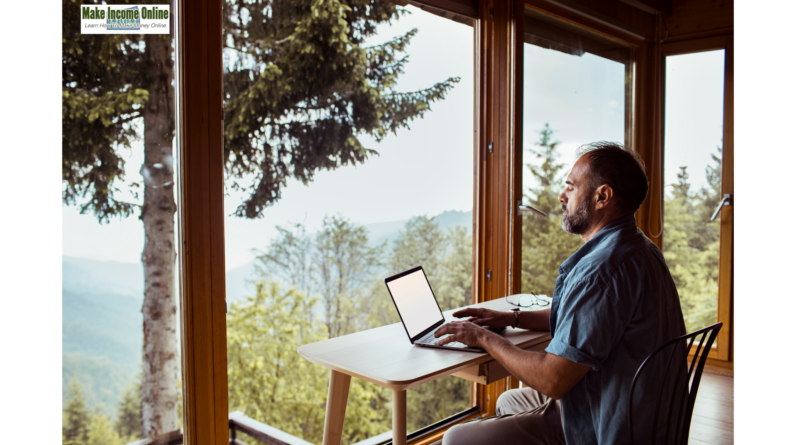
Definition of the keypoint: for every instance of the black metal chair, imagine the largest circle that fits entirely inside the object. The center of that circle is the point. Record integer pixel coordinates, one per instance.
(683, 391)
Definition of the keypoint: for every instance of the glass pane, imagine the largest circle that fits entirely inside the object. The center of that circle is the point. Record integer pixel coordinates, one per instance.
(121, 353)
(342, 170)
(692, 174)
(576, 89)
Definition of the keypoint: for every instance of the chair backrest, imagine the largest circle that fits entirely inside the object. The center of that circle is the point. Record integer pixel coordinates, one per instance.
(677, 419)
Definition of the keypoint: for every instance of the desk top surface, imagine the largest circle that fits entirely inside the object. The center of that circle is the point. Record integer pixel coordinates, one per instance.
(386, 357)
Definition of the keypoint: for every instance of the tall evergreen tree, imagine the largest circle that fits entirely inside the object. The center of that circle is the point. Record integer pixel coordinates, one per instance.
(691, 244)
(545, 245)
(300, 88)
(128, 418)
(76, 416)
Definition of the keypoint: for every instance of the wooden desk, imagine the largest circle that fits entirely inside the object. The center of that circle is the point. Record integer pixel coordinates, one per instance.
(385, 356)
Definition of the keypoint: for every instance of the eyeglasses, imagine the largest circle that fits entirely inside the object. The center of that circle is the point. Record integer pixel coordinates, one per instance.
(527, 300)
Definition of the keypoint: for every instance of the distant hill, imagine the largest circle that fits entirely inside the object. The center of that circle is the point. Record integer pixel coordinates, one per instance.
(102, 380)
(102, 327)
(104, 276)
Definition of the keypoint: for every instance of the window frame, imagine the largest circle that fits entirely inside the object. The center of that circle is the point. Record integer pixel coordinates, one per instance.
(201, 223)
(722, 348)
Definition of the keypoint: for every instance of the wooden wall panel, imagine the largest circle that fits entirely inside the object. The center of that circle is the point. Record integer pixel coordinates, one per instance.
(692, 19)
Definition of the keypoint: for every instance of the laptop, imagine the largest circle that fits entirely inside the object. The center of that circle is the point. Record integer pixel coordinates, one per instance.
(419, 310)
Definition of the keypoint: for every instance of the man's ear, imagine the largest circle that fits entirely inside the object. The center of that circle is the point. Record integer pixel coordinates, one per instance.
(604, 195)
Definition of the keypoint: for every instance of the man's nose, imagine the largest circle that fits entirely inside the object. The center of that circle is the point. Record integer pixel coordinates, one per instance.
(562, 198)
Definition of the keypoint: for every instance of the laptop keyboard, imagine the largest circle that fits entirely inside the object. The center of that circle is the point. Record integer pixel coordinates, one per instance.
(429, 339)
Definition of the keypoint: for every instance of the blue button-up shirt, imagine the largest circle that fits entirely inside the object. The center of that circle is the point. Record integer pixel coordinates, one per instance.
(614, 304)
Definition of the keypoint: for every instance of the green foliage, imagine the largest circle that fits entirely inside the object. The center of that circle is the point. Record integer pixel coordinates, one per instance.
(269, 381)
(300, 88)
(106, 80)
(344, 266)
(545, 245)
(691, 244)
(455, 287)
(101, 433)
(76, 416)
(446, 258)
(80, 426)
(128, 420)
(337, 264)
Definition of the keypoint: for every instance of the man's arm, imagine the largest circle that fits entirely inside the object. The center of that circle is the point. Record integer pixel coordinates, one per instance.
(549, 374)
(531, 320)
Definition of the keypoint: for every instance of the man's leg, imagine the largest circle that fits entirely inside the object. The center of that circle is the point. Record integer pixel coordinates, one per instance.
(524, 416)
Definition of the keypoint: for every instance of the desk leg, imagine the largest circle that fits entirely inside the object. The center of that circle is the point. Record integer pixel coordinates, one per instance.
(339, 384)
(398, 417)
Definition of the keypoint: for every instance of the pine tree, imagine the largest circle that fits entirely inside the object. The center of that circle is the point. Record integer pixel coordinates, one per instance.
(545, 245)
(128, 420)
(76, 416)
(300, 88)
(691, 244)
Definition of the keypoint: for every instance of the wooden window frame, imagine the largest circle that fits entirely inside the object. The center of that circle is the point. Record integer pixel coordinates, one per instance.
(201, 223)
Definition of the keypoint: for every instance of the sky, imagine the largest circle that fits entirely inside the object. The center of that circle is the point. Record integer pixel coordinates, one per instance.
(694, 114)
(581, 97)
(428, 168)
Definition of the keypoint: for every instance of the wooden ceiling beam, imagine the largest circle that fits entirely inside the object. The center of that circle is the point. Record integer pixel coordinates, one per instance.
(652, 6)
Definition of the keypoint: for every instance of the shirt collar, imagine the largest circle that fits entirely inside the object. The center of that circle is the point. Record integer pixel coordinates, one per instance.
(594, 243)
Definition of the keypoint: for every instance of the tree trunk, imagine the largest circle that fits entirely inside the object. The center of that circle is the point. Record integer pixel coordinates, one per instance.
(161, 365)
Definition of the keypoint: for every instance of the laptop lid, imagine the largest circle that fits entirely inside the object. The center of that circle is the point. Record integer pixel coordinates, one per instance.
(415, 301)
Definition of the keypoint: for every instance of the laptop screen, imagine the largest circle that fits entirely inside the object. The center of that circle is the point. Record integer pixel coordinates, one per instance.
(415, 302)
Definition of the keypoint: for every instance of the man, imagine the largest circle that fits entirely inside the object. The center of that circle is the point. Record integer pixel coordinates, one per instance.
(614, 304)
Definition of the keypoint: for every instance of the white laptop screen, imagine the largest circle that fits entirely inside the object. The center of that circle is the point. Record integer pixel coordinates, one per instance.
(415, 302)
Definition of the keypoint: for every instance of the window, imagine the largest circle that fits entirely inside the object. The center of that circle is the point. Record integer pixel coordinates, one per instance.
(577, 88)
(121, 353)
(693, 154)
(342, 171)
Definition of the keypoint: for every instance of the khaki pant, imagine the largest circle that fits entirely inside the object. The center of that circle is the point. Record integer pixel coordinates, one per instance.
(524, 416)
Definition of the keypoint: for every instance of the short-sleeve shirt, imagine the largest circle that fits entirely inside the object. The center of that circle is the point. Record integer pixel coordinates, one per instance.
(614, 303)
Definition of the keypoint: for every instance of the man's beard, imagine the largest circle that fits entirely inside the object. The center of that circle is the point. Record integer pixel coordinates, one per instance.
(577, 222)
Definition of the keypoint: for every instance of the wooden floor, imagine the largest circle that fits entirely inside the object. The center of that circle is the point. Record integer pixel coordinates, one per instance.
(712, 422)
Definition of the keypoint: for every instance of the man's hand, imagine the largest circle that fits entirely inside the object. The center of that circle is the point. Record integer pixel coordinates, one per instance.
(486, 317)
(464, 332)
